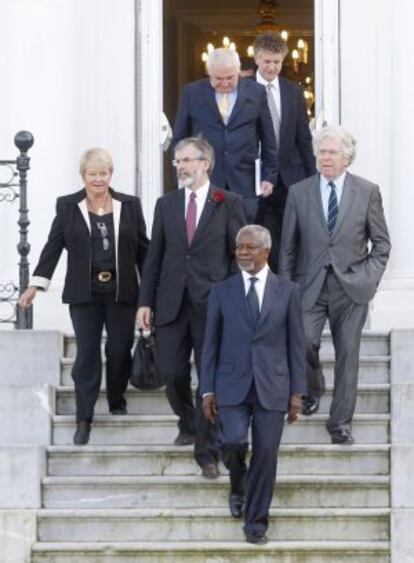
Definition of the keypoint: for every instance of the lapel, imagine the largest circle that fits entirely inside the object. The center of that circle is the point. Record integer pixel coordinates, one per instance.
(208, 209)
(116, 208)
(285, 107)
(347, 198)
(209, 96)
(238, 296)
(85, 214)
(271, 289)
(317, 201)
(177, 212)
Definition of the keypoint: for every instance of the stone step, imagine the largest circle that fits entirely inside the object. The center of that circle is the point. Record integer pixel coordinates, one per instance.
(199, 524)
(293, 491)
(372, 398)
(162, 429)
(313, 459)
(373, 343)
(372, 369)
(212, 552)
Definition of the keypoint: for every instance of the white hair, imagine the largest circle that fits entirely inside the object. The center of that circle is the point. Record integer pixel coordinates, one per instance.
(261, 234)
(347, 141)
(223, 56)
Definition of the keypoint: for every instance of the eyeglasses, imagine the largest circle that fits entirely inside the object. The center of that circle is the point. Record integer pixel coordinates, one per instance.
(177, 161)
(104, 234)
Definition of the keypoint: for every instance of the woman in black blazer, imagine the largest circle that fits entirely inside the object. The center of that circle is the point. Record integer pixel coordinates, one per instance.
(104, 234)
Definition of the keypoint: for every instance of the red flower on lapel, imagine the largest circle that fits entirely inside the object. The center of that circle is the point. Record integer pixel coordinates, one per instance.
(218, 197)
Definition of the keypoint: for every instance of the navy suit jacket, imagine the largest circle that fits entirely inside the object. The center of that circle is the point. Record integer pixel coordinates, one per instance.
(296, 158)
(236, 144)
(272, 354)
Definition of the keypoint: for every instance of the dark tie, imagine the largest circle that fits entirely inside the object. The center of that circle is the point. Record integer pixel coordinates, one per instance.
(253, 301)
(273, 111)
(191, 218)
(332, 208)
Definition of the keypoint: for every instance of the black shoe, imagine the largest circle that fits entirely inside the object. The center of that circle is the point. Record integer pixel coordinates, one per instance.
(122, 410)
(236, 503)
(210, 471)
(259, 538)
(184, 439)
(310, 405)
(83, 430)
(342, 436)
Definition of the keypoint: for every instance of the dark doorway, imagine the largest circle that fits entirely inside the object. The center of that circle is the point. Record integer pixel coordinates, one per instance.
(190, 25)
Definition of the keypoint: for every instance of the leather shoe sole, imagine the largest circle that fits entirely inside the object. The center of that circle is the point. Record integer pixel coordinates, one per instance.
(121, 411)
(310, 406)
(81, 436)
(210, 471)
(344, 437)
(256, 538)
(236, 503)
(184, 439)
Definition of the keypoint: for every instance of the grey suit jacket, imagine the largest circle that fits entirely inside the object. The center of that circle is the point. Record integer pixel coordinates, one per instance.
(307, 248)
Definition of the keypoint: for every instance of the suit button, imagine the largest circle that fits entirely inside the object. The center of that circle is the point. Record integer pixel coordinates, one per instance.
(226, 152)
(188, 256)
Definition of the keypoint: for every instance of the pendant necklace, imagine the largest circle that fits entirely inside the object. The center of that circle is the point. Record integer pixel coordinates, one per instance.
(101, 210)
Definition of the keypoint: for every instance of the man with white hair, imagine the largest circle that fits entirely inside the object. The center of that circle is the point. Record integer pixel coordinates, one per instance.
(233, 116)
(335, 244)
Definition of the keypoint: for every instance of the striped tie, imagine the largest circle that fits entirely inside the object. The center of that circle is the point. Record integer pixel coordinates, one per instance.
(332, 208)
(273, 111)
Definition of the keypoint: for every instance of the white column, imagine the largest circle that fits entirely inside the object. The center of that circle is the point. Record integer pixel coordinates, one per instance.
(150, 100)
(377, 106)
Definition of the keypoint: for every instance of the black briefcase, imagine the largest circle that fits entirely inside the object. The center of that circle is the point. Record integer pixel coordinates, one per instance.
(144, 374)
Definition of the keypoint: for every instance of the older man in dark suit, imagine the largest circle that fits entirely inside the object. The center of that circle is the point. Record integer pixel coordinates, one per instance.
(253, 371)
(335, 244)
(291, 126)
(233, 116)
(192, 246)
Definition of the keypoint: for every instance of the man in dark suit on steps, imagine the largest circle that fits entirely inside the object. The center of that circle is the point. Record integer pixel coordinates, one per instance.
(253, 372)
(192, 246)
(291, 126)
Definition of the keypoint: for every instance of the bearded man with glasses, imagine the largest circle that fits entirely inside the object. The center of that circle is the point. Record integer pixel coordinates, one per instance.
(193, 242)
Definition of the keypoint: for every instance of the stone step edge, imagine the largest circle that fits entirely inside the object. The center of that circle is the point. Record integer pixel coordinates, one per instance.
(170, 449)
(213, 547)
(194, 480)
(363, 387)
(168, 418)
(127, 513)
(367, 333)
(325, 358)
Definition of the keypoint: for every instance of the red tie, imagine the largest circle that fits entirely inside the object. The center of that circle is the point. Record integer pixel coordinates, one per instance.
(191, 218)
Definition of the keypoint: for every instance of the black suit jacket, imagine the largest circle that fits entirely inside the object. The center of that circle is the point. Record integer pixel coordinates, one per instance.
(236, 144)
(171, 266)
(296, 158)
(70, 230)
(272, 354)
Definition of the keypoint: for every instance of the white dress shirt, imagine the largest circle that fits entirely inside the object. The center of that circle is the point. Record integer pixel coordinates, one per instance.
(326, 191)
(259, 285)
(275, 90)
(200, 200)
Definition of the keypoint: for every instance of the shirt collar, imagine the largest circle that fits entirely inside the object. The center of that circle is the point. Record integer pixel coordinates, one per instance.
(261, 275)
(339, 182)
(261, 80)
(201, 192)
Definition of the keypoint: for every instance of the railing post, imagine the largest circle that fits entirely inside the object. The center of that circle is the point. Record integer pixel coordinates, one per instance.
(24, 141)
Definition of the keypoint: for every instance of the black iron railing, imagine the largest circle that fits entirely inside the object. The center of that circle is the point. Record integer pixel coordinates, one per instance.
(13, 187)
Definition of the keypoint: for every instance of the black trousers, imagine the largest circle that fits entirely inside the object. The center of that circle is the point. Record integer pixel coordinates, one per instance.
(88, 321)
(270, 215)
(258, 481)
(173, 345)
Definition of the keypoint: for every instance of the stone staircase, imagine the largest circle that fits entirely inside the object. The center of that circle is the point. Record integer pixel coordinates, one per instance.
(130, 496)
